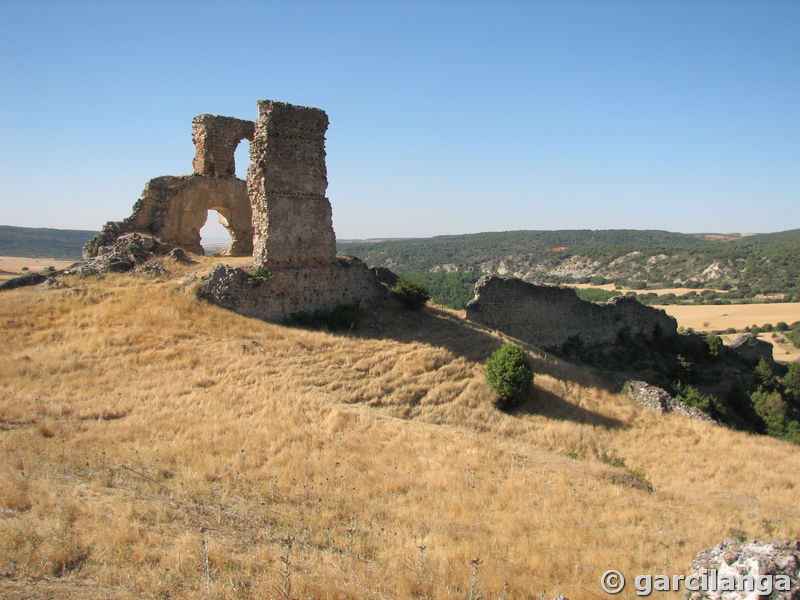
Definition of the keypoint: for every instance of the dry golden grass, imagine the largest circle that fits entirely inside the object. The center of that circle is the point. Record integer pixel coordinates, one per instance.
(137, 422)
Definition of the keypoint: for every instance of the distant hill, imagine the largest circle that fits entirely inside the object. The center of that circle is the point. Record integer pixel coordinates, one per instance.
(640, 259)
(43, 243)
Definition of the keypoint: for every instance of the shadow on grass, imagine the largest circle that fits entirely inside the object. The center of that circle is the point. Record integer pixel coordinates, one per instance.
(437, 327)
(548, 404)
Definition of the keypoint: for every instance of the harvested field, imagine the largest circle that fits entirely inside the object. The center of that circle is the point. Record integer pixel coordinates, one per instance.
(678, 291)
(720, 317)
(739, 316)
(11, 266)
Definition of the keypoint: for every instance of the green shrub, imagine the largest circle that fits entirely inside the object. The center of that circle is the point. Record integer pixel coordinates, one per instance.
(453, 289)
(708, 403)
(714, 343)
(412, 295)
(766, 377)
(792, 381)
(509, 373)
(772, 409)
(258, 276)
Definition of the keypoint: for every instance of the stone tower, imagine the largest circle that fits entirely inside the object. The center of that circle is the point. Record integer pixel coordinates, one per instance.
(286, 181)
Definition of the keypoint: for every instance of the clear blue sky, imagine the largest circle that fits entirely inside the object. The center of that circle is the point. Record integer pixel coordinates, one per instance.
(445, 117)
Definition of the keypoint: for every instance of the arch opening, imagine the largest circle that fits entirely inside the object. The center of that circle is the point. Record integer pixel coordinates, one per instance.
(241, 158)
(215, 237)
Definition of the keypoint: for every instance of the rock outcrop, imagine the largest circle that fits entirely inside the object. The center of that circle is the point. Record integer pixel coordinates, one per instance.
(752, 349)
(123, 254)
(746, 571)
(23, 281)
(551, 317)
(658, 399)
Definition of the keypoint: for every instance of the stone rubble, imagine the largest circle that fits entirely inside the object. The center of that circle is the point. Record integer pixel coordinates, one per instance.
(658, 399)
(754, 558)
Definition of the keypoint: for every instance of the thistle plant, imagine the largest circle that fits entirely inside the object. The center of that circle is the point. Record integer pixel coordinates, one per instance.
(473, 589)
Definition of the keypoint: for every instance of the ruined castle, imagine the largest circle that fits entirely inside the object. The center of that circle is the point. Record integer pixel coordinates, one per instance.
(280, 215)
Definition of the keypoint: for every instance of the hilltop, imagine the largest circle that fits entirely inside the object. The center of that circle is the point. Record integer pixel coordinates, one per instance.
(145, 434)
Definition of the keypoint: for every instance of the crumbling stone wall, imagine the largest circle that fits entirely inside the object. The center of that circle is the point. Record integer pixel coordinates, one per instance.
(292, 290)
(215, 139)
(287, 179)
(293, 238)
(174, 208)
(548, 316)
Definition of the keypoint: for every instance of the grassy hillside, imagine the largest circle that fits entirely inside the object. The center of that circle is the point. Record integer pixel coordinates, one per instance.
(746, 266)
(45, 243)
(145, 434)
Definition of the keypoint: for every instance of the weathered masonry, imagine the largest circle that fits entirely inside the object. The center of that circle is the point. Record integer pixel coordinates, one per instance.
(287, 179)
(293, 238)
(550, 316)
(175, 208)
(280, 215)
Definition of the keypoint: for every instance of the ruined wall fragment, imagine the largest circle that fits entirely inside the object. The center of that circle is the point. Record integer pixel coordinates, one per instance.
(548, 316)
(215, 139)
(174, 208)
(292, 290)
(287, 179)
(293, 237)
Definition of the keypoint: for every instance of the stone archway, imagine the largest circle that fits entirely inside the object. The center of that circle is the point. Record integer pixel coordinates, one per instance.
(187, 210)
(175, 208)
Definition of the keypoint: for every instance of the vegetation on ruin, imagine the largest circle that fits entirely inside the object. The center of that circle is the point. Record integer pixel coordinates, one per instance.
(154, 446)
(257, 276)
